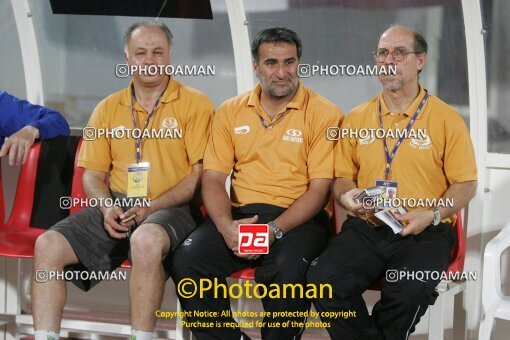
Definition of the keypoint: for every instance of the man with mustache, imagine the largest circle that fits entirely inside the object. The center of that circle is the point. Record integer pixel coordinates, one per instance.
(274, 140)
(163, 168)
(440, 166)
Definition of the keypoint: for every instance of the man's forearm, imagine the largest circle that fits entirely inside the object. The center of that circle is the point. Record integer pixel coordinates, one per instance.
(341, 186)
(180, 194)
(95, 187)
(52, 124)
(459, 194)
(217, 202)
(305, 207)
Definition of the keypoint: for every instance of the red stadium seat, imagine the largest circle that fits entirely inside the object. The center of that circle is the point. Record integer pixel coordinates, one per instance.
(459, 251)
(2, 203)
(18, 234)
(17, 238)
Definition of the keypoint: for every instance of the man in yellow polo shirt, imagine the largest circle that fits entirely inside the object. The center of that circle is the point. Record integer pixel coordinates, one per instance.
(434, 165)
(150, 138)
(273, 139)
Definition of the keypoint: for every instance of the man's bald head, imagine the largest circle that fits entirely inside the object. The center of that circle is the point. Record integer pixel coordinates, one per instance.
(404, 48)
(420, 44)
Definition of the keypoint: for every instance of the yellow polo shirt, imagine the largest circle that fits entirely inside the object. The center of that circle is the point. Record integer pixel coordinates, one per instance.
(182, 109)
(423, 168)
(272, 165)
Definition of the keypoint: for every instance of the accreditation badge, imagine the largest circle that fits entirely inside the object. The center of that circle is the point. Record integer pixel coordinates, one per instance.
(138, 180)
(389, 194)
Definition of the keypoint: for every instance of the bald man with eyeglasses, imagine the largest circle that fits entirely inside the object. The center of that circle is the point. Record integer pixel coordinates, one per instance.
(436, 165)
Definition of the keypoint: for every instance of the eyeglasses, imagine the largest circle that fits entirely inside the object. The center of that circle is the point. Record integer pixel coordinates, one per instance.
(399, 54)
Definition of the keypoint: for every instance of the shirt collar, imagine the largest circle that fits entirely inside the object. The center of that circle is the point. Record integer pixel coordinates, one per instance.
(171, 93)
(297, 102)
(411, 109)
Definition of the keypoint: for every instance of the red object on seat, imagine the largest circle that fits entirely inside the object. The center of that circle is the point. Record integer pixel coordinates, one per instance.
(17, 238)
(245, 274)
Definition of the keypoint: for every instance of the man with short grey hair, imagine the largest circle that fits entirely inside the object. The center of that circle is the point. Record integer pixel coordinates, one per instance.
(163, 164)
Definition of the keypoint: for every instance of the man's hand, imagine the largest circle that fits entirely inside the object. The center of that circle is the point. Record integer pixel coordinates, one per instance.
(347, 201)
(230, 234)
(418, 220)
(140, 212)
(18, 144)
(112, 223)
(272, 238)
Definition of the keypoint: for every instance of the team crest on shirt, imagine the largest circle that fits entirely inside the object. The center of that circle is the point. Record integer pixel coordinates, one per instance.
(293, 135)
(241, 130)
(119, 128)
(423, 143)
(170, 123)
(367, 140)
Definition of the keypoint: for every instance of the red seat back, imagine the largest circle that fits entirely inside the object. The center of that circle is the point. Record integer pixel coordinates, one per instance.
(459, 251)
(2, 203)
(24, 198)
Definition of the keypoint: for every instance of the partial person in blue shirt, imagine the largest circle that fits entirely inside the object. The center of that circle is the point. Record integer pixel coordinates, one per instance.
(23, 123)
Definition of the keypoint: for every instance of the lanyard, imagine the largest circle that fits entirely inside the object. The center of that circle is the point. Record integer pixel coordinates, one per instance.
(138, 141)
(274, 122)
(389, 157)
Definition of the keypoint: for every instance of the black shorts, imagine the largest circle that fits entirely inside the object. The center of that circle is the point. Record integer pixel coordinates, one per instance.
(97, 251)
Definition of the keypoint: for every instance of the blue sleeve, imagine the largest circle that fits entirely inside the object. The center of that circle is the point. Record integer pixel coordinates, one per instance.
(16, 113)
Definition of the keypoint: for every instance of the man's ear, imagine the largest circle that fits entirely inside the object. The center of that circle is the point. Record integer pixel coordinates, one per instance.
(422, 58)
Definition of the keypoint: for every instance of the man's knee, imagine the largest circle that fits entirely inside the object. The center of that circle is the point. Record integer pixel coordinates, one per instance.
(53, 250)
(411, 293)
(149, 245)
(316, 275)
(286, 269)
(187, 259)
(345, 284)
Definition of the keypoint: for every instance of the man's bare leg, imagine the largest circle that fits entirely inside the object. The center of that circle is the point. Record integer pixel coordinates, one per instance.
(149, 246)
(52, 253)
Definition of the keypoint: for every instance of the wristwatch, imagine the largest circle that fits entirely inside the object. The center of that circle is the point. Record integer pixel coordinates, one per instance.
(437, 217)
(278, 233)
